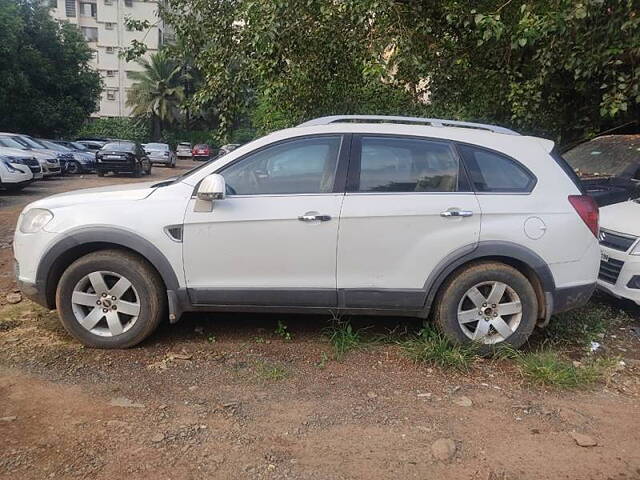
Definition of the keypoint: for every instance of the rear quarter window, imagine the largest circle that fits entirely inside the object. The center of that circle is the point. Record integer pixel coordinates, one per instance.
(494, 172)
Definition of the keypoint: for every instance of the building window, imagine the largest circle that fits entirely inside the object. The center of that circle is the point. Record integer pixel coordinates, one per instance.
(111, 73)
(111, 49)
(88, 10)
(70, 8)
(109, 26)
(128, 3)
(108, 2)
(90, 33)
(111, 95)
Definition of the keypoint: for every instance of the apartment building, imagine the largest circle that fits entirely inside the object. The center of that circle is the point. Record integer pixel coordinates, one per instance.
(102, 23)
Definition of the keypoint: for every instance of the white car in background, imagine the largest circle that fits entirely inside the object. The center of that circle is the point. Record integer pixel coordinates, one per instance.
(620, 244)
(461, 222)
(14, 176)
(20, 157)
(49, 162)
(184, 150)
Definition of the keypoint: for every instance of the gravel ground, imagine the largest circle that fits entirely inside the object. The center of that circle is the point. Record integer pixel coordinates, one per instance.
(225, 397)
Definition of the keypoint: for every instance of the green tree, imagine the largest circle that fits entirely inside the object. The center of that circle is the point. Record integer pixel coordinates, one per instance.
(158, 93)
(47, 87)
(559, 68)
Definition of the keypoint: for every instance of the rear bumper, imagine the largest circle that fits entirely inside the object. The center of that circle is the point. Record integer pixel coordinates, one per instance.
(120, 167)
(202, 157)
(160, 160)
(568, 298)
(184, 155)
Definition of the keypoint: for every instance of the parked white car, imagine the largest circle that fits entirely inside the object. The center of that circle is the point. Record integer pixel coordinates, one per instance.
(483, 229)
(19, 157)
(14, 176)
(49, 163)
(183, 150)
(620, 244)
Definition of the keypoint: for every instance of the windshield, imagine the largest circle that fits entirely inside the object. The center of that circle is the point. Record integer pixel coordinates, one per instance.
(119, 146)
(605, 156)
(31, 143)
(79, 146)
(54, 146)
(156, 146)
(11, 143)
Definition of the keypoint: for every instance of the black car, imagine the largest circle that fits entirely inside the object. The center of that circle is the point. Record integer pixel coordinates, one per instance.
(608, 167)
(123, 157)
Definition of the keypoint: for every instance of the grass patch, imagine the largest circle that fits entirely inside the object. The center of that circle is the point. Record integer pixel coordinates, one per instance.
(582, 326)
(271, 372)
(547, 367)
(433, 348)
(283, 331)
(343, 338)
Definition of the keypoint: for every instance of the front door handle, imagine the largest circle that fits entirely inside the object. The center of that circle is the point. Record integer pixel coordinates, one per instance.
(456, 213)
(314, 217)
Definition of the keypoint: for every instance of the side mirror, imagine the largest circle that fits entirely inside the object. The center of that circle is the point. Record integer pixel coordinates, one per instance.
(212, 188)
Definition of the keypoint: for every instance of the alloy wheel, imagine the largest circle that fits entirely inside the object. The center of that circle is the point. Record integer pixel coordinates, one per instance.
(105, 303)
(489, 312)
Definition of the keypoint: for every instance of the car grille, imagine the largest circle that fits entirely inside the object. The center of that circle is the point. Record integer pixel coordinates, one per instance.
(610, 270)
(616, 241)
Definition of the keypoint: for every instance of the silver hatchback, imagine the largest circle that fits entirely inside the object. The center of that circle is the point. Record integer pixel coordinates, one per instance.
(160, 154)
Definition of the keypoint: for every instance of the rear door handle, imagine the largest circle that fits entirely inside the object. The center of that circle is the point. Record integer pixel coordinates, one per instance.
(311, 217)
(456, 213)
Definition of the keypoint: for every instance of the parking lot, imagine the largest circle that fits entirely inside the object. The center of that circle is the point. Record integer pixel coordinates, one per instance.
(264, 396)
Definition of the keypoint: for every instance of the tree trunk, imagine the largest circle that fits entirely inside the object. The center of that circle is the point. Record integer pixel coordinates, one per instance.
(156, 128)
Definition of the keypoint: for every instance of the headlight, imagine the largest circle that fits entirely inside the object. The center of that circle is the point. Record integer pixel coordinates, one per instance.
(34, 220)
(635, 250)
(11, 168)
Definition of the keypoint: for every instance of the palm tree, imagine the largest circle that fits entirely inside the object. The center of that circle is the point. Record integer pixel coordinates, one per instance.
(157, 93)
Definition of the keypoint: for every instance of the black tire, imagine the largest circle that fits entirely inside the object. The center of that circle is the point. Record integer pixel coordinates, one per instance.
(454, 291)
(12, 188)
(145, 280)
(100, 173)
(74, 167)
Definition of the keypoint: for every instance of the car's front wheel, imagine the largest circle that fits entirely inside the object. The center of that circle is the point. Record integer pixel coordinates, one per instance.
(110, 299)
(74, 167)
(487, 303)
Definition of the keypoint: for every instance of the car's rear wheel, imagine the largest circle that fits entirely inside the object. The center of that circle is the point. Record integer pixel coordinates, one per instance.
(490, 304)
(110, 299)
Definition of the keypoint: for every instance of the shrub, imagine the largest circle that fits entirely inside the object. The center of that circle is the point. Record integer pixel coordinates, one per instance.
(119, 127)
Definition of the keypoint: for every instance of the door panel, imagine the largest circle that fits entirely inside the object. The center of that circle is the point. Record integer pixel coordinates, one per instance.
(272, 241)
(259, 242)
(410, 216)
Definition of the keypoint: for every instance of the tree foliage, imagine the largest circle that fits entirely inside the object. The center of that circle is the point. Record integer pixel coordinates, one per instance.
(46, 84)
(157, 93)
(561, 68)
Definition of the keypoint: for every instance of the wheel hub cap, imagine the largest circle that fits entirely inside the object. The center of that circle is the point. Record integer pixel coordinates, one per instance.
(105, 303)
(489, 312)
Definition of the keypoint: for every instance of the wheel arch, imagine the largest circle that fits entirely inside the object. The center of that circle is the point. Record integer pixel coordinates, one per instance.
(82, 242)
(527, 262)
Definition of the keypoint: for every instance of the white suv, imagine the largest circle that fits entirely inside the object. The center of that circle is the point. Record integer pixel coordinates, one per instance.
(483, 228)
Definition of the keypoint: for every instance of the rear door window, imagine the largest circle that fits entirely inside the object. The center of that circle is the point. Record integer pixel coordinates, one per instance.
(405, 164)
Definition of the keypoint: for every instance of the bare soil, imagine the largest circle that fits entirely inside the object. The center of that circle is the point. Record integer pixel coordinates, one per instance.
(224, 397)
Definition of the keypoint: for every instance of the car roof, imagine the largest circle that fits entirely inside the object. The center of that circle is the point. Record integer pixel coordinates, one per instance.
(489, 139)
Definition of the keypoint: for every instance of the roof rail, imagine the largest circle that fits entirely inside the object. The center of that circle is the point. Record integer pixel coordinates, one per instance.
(434, 122)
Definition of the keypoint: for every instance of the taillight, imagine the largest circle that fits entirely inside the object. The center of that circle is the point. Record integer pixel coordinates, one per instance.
(587, 208)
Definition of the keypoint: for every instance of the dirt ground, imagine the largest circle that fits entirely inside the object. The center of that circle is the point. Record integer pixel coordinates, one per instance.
(224, 397)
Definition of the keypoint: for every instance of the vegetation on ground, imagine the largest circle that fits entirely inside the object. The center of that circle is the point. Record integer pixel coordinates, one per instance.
(433, 348)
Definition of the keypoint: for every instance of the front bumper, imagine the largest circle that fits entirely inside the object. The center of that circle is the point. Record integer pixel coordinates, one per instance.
(49, 170)
(616, 271)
